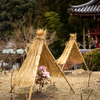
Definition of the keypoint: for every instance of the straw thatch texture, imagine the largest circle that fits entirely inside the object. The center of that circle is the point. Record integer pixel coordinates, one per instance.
(38, 54)
(48, 60)
(71, 52)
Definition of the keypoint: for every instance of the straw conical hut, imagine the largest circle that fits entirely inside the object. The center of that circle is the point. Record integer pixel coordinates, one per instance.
(71, 52)
(38, 55)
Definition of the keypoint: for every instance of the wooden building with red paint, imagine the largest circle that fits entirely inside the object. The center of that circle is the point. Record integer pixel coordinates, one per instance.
(89, 10)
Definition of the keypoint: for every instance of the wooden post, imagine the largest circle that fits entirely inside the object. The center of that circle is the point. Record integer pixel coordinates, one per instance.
(97, 45)
(65, 78)
(84, 46)
(32, 87)
(31, 91)
(67, 81)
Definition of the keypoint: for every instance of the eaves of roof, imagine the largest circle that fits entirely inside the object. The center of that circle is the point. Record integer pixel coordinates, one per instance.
(85, 4)
(86, 9)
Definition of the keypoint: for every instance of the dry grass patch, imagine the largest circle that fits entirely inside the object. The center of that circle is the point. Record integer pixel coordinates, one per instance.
(58, 90)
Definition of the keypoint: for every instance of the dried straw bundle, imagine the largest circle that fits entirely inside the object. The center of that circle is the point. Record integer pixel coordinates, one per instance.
(71, 52)
(38, 55)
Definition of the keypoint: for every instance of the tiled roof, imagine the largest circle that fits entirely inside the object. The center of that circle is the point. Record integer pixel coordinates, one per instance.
(86, 8)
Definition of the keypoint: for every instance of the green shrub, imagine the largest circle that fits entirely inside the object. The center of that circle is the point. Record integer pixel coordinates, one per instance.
(92, 58)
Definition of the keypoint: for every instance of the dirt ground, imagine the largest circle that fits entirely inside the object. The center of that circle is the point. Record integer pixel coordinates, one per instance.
(58, 90)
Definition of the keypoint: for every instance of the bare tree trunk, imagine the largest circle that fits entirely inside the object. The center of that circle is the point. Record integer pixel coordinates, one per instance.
(90, 95)
(90, 74)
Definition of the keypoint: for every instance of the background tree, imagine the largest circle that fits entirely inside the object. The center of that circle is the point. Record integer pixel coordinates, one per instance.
(47, 14)
(15, 9)
(12, 11)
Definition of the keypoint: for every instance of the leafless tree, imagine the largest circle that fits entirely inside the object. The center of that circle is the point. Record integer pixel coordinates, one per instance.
(91, 43)
(89, 62)
(81, 45)
(22, 37)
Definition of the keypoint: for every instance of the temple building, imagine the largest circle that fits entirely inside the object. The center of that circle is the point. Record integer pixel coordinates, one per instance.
(89, 10)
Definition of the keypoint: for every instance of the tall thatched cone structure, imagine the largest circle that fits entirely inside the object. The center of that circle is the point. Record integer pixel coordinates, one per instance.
(38, 55)
(71, 53)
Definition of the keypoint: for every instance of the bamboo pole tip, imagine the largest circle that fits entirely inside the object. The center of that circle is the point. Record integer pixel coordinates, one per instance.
(41, 32)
